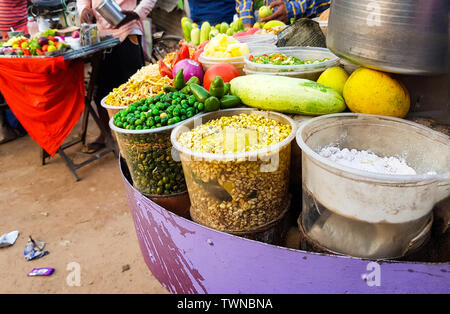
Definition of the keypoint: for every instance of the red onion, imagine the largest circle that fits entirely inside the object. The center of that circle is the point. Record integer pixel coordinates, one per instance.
(190, 69)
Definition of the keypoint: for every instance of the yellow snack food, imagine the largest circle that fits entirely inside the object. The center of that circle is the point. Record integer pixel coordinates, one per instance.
(223, 46)
(146, 82)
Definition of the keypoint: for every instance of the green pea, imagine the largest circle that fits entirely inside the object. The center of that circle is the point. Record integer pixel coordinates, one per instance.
(183, 117)
(200, 107)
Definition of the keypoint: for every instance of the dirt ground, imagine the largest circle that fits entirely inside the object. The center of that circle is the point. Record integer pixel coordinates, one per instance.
(86, 222)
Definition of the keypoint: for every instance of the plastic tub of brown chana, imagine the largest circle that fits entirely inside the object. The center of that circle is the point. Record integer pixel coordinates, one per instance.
(236, 165)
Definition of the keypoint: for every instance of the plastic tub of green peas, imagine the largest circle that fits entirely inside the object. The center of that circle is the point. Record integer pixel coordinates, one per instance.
(143, 134)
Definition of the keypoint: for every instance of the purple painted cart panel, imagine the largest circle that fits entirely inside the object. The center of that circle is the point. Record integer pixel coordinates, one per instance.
(187, 257)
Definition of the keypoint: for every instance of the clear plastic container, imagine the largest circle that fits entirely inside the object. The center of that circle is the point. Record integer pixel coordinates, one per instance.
(148, 154)
(367, 214)
(257, 47)
(258, 39)
(208, 62)
(32, 26)
(309, 75)
(236, 192)
(302, 53)
(112, 110)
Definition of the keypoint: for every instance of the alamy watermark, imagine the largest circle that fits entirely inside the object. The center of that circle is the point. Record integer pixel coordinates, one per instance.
(374, 16)
(372, 279)
(73, 279)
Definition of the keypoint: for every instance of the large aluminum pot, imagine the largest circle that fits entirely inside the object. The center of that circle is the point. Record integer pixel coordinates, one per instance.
(404, 36)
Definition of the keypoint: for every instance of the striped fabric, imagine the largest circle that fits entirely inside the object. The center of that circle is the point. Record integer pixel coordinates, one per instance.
(13, 13)
(296, 8)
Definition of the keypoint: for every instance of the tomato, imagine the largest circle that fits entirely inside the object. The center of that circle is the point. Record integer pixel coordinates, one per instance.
(225, 70)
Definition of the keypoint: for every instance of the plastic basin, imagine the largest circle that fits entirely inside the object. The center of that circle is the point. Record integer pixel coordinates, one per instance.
(258, 39)
(112, 110)
(309, 75)
(367, 214)
(237, 62)
(302, 53)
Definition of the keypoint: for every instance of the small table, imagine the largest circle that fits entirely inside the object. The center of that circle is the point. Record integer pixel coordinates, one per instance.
(90, 54)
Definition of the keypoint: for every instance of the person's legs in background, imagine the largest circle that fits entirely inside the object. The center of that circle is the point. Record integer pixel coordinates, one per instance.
(117, 66)
(10, 127)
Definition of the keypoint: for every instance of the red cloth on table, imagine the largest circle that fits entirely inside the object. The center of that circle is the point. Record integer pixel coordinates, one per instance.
(46, 95)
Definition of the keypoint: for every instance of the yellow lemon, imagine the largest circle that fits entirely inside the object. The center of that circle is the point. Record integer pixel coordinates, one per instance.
(334, 77)
(273, 23)
(374, 92)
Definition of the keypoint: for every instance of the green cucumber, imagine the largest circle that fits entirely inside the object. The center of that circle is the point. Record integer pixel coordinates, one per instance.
(204, 32)
(286, 94)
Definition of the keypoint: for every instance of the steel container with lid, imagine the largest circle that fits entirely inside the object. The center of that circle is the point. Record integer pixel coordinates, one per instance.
(404, 36)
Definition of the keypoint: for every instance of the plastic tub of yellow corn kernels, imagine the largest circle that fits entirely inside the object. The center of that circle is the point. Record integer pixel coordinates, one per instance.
(236, 164)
